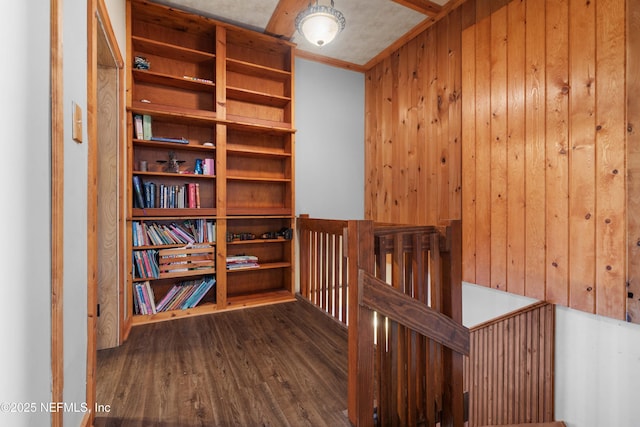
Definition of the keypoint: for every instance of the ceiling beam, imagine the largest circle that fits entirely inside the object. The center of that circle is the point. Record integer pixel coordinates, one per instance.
(423, 6)
(283, 20)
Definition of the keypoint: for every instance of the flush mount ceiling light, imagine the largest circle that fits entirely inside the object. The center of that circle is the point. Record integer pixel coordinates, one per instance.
(320, 24)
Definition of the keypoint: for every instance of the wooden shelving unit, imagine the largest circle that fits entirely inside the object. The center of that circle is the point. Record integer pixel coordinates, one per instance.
(229, 93)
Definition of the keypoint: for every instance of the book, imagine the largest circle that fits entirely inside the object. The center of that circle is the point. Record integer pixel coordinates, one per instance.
(199, 292)
(138, 193)
(151, 297)
(208, 167)
(192, 195)
(137, 126)
(175, 140)
(146, 127)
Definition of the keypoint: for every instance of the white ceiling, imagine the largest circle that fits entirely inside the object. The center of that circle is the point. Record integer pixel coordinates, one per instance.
(372, 25)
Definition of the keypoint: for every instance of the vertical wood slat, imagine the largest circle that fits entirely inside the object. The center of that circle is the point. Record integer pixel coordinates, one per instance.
(468, 156)
(535, 150)
(633, 160)
(361, 363)
(610, 159)
(455, 113)
(557, 145)
(516, 149)
(582, 78)
(483, 152)
(510, 368)
(498, 142)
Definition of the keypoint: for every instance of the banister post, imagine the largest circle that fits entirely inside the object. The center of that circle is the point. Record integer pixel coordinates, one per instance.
(453, 405)
(360, 249)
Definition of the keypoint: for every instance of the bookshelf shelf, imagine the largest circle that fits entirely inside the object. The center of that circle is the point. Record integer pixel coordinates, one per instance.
(257, 97)
(150, 213)
(267, 266)
(256, 70)
(144, 76)
(168, 50)
(174, 175)
(205, 82)
(172, 145)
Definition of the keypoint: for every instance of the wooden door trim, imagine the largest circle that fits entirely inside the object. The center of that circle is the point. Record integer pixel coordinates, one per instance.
(57, 209)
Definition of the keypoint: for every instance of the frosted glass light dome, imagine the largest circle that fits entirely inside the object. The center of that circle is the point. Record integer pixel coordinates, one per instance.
(320, 24)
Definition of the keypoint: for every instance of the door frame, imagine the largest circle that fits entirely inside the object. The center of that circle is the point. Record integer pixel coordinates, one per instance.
(98, 20)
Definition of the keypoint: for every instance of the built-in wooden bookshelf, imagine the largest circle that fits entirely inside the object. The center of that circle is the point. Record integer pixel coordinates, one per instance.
(221, 93)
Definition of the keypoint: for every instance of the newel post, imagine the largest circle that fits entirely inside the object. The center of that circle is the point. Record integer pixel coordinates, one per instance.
(360, 249)
(453, 405)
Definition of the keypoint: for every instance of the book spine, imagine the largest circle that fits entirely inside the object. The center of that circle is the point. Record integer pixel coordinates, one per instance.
(192, 195)
(197, 196)
(138, 192)
(147, 134)
(137, 125)
(209, 167)
(152, 298)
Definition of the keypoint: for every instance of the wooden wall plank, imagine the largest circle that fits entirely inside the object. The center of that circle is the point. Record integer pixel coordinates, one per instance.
(498, 163)
(455, 114)
(421, 165)
(633, 160)
(411, 151)
(387, 138)
(416, 133)
(516, 149)
(431, 110)
(483, 153)
(582, 180)
(557, 136)
(610, 159)
(468, 156)
(535, 149)
(442, 115)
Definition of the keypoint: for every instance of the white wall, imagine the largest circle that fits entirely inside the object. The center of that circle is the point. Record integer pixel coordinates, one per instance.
(329, 118)
(25, 317)
(597, 360)
(75, 209)
(597, 370)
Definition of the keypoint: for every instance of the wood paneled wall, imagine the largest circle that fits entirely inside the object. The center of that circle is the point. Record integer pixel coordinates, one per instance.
(510, 368)
(512, 116)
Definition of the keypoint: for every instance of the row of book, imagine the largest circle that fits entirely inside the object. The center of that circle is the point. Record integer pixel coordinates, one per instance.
(236, 262)
(146, 264)
(188, 232)
(152, 195)
(181, 296)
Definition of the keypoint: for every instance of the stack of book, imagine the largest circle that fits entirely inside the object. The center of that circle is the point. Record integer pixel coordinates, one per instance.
(146, 264)
(181, 296)
(236, 262)
(143, 299)
(189, 232)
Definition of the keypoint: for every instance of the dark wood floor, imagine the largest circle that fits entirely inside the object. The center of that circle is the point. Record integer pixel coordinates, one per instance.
(278, 365)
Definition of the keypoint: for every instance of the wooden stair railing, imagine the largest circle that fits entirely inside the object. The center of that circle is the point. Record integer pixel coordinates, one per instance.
(403, 399)
(415, 380)
(323, 264)
(423, 263)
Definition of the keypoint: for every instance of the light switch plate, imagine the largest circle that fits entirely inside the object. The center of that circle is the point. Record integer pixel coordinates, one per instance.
(76, 132)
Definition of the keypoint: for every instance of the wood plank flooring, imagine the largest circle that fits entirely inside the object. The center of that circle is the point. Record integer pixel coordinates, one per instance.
(277, 365)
